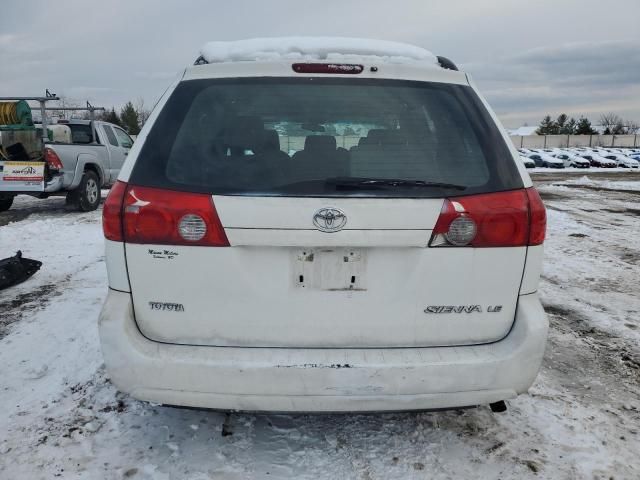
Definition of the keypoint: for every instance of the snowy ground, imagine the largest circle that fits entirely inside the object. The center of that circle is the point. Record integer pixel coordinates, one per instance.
(61, 417)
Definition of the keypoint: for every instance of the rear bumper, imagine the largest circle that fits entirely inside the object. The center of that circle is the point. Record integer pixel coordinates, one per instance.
(55, 184)
(321, 380)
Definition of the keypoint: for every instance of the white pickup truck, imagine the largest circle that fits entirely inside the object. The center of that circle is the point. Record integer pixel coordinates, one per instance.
(78, 168)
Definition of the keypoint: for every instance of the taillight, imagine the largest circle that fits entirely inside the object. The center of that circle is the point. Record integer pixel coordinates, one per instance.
(503, 219)
(537, 218)
(52, 159)
(146, 215)
(166, 217)
(112, 212)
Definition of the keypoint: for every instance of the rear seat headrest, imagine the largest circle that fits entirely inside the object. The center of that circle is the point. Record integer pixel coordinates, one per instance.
(384, 137)
(375, 135)
(320, 142)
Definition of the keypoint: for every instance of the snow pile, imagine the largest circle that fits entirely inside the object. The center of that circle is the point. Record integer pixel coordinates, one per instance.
(315, 48)
(622, 185)
(583, 180)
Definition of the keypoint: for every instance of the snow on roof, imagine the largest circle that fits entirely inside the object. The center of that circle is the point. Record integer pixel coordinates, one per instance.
(524, 130)
(315, 48)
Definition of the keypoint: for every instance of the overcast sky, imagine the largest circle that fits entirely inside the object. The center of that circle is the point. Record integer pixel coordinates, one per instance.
(581, 57)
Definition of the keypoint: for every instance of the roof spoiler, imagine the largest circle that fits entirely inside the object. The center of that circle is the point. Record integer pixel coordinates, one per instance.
(446, 63)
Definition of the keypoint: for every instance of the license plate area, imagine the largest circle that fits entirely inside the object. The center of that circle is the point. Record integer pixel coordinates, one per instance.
(332, 269)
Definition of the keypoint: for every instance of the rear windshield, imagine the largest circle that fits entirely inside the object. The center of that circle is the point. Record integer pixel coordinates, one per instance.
(325, 137)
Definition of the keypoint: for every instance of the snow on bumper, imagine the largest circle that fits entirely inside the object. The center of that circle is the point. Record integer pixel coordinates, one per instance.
(320, 380)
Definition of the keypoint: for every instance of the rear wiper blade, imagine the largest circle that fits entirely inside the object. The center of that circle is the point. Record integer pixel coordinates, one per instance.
(353, 182)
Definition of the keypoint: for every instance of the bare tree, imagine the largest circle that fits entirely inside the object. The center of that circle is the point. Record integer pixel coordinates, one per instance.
(64, 102)
(631, 127)
(610, 120)
(143, 112)
(619, 128)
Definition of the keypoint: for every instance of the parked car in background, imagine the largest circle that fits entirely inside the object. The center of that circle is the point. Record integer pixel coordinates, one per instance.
(601, 151)
(597, 160)
(369, 277)
(622, 160)
(572, 160)
(546, 160)
(528, 163)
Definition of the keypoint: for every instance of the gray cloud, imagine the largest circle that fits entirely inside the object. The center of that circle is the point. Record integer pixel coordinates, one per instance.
(579, 78)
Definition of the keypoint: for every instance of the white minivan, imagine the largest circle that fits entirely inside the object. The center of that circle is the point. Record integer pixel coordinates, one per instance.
(323, 225)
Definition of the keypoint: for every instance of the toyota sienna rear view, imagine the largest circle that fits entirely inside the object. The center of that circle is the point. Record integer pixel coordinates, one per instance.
(323, 225)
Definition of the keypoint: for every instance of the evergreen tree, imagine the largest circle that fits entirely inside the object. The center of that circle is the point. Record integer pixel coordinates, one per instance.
(129, 119)
(547, 126)
(560, 123)
(112, 117)
(569, 128)
(583, 127)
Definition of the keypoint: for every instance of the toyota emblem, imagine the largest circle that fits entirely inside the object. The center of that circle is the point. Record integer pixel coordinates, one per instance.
(329, 220)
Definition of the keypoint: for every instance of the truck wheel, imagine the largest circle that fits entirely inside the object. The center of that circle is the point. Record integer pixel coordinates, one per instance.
(87, 196)
(5, 203)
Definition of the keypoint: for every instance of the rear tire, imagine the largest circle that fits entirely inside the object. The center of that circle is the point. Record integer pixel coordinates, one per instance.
(87, 196)
(5, 203)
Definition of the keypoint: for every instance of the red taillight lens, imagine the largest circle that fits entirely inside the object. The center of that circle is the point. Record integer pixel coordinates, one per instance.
(52, 159)
(112, 212)
(503, 219)
(537, 218)
(165, 217)
(162, 217)
(335, 68)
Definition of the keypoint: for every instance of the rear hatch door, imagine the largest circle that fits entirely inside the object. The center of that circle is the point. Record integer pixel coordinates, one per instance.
(328, 192)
